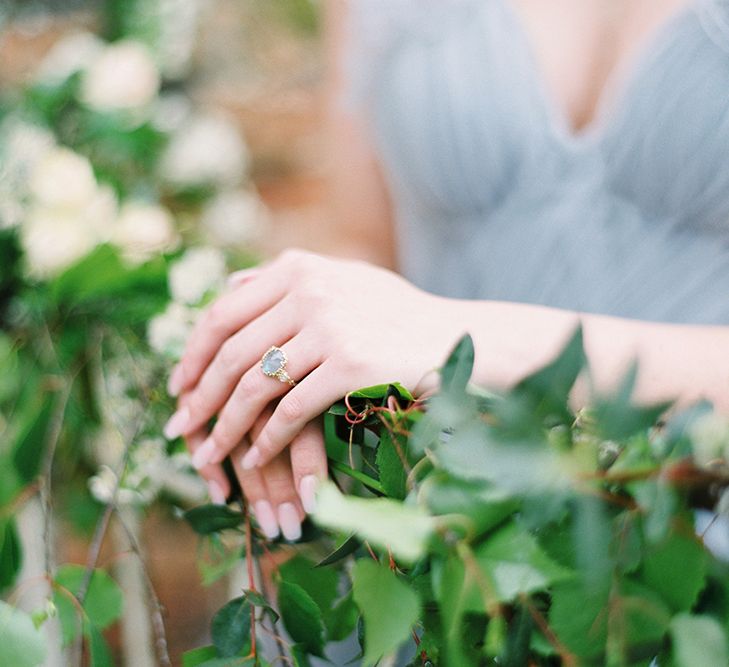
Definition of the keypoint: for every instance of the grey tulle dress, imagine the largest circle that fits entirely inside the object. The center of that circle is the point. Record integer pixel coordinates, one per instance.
(496, 198)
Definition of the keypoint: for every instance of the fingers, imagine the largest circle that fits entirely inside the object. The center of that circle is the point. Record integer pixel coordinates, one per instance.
(225, 316)
(218, 485)
(255, 492)
(273, 493)
(239, 353)
(297, 408)
(253, 393)
(308, 463)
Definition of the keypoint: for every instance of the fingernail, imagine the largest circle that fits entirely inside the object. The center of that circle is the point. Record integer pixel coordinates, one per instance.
(215, 491)
(307, 493)
(266, 519)
(174, 385)
(239, 277)
(288, 518)
(177, 424)
(202, 455)
(251, 459)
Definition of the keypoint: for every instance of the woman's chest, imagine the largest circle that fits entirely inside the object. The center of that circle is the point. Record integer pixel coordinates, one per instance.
(465, 118)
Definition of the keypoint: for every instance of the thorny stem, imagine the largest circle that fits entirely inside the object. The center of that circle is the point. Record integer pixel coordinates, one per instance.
(251, 578)
(568, 660)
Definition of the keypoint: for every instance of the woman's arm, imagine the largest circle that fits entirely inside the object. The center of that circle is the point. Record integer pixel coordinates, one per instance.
(357, 194)
(676, 361)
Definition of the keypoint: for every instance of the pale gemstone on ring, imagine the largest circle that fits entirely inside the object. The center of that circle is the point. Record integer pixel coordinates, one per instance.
(273, 361)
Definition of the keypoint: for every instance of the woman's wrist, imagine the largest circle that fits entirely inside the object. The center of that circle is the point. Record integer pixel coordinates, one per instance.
(511, 340)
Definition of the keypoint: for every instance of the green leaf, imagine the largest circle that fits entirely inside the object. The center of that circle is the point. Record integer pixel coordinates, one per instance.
(208, 519)
(545, 394)
(30, 445)
(514, 562)
(479, 502)
(393, 475)
(698, 640)
(21, 644)
(583, 617)
(380, 391)
(676, 569)
(231, 627)
(458, 367)
(257, 600)
(349, 546)
(389, 606)
(102, 604)
(387, 523)
(618, 419)
(319, 583)
(518, 640)
(11, 556)
(302, 617)
(343, 619)
(197, 656)
(129, 294)
(98, 648)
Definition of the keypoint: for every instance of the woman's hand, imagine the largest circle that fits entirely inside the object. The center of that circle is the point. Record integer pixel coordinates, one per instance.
(271, 489)
(342, 325)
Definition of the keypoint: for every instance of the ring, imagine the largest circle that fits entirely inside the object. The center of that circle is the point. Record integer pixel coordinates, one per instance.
(273, 364)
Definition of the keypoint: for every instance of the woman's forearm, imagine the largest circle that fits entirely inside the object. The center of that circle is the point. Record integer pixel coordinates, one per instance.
(676, 361)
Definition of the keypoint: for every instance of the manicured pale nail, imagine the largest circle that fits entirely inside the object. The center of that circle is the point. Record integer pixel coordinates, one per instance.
(177, 424)
(215, 491)
(307, 493)
(239, 277)
(288, 518)
(266, 519)
(177, 377)
(202, 455)
(251, 459)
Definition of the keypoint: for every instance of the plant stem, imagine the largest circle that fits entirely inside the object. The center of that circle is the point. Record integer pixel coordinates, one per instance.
(368, 481)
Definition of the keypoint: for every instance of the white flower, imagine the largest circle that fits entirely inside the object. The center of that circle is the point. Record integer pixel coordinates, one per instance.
(206, 151)
(22, 145)
(69, 55)
(710, 438)
(102, 484)
(235, 218)
(168, 331)
(63, 178)
(144, 230)
(123, 77)
(171, 111)
(197, 272)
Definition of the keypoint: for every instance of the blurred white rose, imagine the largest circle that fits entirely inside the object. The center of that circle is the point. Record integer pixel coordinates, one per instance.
(69, 55)
(22, 145)
(168, 331)
(123, 77)
(144, 230)
(197, 272)
(64, 179)
(710, 438)
(208, 150)
(53, 240)
(235, 218)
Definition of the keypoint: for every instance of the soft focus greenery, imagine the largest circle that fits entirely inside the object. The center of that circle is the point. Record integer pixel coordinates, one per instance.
(479, 529)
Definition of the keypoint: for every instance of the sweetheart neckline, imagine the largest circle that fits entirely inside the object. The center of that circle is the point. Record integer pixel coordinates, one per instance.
(614, 93)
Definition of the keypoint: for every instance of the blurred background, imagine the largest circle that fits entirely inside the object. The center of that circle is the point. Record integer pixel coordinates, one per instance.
(230, 88)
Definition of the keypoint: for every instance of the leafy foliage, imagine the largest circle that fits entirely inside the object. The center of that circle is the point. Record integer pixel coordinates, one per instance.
(504, 527)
